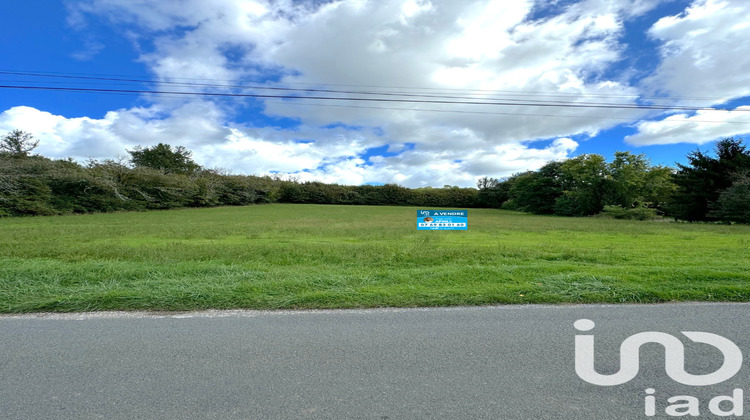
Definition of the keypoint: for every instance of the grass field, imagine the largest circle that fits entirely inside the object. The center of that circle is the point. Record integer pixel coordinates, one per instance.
(310, 256)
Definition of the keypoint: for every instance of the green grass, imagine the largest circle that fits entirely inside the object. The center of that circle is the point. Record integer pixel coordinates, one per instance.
(310, 256)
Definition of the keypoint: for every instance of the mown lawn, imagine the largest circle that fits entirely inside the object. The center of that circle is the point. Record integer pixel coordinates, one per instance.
(313, 256)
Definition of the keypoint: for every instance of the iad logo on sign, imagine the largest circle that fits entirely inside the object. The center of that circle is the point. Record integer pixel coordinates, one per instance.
(674, 367)
(442, 220)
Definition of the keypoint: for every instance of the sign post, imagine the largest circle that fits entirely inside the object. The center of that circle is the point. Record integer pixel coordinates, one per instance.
(442, 220)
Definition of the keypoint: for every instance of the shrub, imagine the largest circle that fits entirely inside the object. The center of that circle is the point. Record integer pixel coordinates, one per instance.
(637, 213)
(25, 196)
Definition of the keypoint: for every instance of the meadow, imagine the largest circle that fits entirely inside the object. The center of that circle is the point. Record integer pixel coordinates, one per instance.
(322, 256)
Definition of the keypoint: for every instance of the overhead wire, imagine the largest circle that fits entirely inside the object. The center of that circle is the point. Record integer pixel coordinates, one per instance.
(362, 99)
(86, 80)
(472, 92)
(589, 117)
(299, 94)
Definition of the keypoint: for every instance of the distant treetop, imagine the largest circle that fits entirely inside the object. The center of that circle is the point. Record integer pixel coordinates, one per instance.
(18, 143)
(163, 157)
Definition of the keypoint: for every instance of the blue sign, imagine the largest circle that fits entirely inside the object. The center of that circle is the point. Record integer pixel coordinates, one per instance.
(442, 220)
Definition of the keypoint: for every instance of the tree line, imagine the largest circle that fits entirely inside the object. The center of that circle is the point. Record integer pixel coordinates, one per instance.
(166, 177)
(708, 188)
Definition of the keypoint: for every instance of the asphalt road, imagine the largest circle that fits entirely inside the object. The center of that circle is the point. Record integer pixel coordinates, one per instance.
(508, 362)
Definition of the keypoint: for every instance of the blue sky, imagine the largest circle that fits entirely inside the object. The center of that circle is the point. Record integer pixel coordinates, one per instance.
(555, 79)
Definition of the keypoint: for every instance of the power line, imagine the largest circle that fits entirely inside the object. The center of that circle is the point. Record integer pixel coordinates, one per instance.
(474, 92)
(592, 117)
(106, 80)
(360, 99)
(277, 88)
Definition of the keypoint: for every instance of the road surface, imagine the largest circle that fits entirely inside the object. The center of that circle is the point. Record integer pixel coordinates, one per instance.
(504, 362)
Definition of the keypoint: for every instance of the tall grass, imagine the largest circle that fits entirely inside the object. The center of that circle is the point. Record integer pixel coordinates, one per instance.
(317, 256)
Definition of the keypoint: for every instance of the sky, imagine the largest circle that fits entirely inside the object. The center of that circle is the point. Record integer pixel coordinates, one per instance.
(412, 92)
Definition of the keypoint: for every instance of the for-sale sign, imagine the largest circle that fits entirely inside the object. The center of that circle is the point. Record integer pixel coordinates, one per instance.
(442, 220)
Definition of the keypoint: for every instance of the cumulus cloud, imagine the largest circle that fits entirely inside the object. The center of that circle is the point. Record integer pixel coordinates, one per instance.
(415, 168)
(82, 138)
(476, 47)
(438, 168)
(62, 137)
(465, 51)
(247, 150)
(702, 52)
(702, 127)
(201, 127)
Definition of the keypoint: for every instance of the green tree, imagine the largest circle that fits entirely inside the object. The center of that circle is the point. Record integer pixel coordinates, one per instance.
(632, 183)
(162, 157)
(701, 183)
(486, 183)
(18, 143)
(492, 192)
(536, 192)
(658, 187)
(582, 179)
(626, 180)
(733, 204)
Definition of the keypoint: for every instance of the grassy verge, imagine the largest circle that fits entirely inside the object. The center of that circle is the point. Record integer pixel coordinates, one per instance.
(310, 256)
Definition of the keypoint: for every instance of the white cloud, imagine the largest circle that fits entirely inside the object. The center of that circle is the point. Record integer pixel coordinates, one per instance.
(512, 158)
(419, 168)
(82, 138)
(413, 46)
(705, 53)
(700, 128)
(61, 137)
(198, 126)
(418, 43)
(249, 150)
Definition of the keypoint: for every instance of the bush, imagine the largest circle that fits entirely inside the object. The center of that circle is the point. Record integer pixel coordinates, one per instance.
(35, 185)
(153, 189)
(637, 213)
(240, 191)
(25, 196)
(380, 195)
